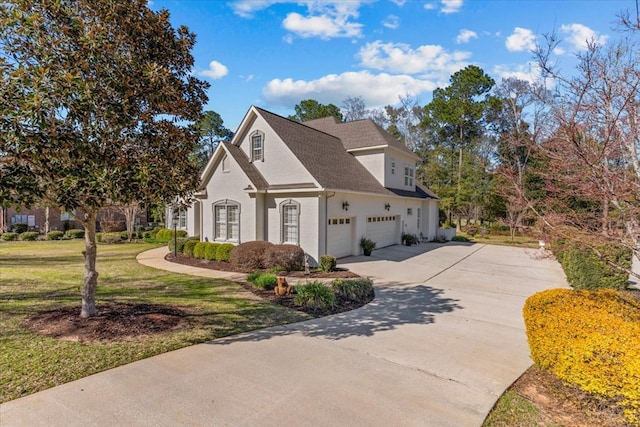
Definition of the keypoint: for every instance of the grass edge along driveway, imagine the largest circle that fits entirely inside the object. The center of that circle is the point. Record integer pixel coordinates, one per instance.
(39, 276)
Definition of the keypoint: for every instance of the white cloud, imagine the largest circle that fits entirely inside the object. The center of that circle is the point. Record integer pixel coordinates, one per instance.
(431, 60)
(521, 39)
(247, 78)
(391, 21)
(580, 35)
(322, 26)
(376, 89)
(529, 72)
(451, 6)
(430, 6)
(247, 8)
(465, 35)
(216, 70)
(399, 2)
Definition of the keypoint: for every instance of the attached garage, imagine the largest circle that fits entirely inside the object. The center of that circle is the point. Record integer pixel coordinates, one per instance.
(340, 237)
(384, 230)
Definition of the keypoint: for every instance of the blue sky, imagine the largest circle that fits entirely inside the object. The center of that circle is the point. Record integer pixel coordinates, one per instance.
(274, 54)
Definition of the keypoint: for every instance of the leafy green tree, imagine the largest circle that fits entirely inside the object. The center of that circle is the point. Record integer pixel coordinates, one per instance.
(454, 150)
(212, 132)
(97, 105)
(310, 109)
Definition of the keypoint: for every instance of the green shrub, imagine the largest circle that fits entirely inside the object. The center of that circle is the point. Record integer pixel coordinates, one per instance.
(223, 252)
(314, 295)
(251, 277)
(590, 339)
(182, 233)
(198, 250)
(29, 235)
(10, 236)
(153, 233)
(585, 270)
(180, 242)
(328, 263)
(499, 230)
(460, 239)
(250, 255)
(19, 227)
(188, 247)
(264, 280)
(358, 290)
(74, 233)
(55, 235)
(211, 250)
(289, 257)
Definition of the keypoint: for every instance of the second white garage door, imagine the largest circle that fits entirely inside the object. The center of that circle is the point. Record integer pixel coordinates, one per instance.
(340, 237)
(383, 230)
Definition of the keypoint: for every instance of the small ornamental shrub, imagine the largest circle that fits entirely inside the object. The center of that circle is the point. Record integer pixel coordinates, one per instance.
(590, 339)
(180, 242)
(109, 238)
(328, 263)
(459, 239)
(29, 235)
(263, 280)
(74, 233)
(358, 290)
(210, 251)
(189, 246)
(55, 235)
(586, 270)
(223, 252)
(153, 233)
(314, 295)
(198, 250)
(19, 227)
(472, 230)
(10, 236)
(250, 255)
(288, 257)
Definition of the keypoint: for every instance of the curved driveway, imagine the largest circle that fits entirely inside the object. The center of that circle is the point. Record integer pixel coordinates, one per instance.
(442, 340)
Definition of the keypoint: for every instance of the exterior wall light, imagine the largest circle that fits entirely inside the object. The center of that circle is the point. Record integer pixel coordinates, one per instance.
(345, 205)
(387, 206)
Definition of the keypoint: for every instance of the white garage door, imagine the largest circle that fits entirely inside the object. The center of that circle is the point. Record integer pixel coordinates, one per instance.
(383, 230)
(339, 237)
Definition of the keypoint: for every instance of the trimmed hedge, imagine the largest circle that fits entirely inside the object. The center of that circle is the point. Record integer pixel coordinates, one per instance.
(19, 227)
(287, 257)
(198, 250)
(109, 238)
(55, 235)
(188, 247)
(9, 236)
(74, 233)
(585, 270)
(328, 263)
(223, 252)
(163, 235)
(590, 339)
(250, 255)
(211, 250)
(29, 235)
(263, 280)
(180, 242)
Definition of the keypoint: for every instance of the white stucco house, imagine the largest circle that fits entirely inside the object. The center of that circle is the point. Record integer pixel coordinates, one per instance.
(321, 185)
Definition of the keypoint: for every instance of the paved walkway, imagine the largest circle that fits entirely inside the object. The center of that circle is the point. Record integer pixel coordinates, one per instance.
(439, 344)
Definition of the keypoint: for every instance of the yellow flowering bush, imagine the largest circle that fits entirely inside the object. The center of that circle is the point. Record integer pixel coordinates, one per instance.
(590, 339)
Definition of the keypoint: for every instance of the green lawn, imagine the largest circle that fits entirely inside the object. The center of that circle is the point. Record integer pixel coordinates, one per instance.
(37, 276)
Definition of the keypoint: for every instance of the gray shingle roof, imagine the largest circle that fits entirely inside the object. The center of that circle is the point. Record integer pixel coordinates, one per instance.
(252, 173)
(324, 156)
(357, 134)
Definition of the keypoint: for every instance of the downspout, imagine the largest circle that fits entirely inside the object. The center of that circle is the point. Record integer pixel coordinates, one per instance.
(326, 227)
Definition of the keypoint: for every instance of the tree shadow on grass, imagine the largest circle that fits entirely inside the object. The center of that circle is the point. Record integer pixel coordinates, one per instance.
(391, 308)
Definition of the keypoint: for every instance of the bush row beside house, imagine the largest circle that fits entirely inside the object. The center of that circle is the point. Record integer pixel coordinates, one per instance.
(266, 255)
(590, 339)
(211, 251)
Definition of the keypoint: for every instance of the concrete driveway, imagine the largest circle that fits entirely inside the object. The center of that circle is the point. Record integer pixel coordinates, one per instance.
(439, 344)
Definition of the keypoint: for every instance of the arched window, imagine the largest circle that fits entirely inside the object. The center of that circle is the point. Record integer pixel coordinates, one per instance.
(290, 222)
(226, 217)
(257, 146)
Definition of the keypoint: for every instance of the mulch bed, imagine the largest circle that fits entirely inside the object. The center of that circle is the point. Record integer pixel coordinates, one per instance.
(226, 266)
(114, 322)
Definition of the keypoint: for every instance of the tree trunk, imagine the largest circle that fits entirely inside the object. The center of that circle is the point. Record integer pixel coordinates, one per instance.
(90, 273)
(605, 217)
